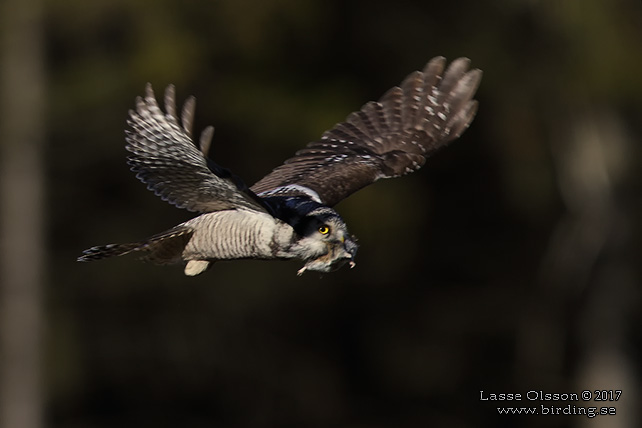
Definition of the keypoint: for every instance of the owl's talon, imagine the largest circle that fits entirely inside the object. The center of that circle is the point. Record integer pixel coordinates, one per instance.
(300, 271)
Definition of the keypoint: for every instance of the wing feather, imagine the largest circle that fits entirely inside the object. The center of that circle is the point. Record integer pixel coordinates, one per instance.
(412, 88)
(391, 106)
(376, 116)
(388, 138)
(164, 157)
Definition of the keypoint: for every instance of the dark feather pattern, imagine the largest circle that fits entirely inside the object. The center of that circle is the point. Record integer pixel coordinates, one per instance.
(385, 139)
(166, 159)
(163, 248)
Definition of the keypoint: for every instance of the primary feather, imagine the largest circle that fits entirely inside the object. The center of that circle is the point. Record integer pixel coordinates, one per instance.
(164, 156)
(388, 138)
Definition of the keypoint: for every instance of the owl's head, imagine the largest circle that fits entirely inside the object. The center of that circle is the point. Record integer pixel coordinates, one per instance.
(324, 242)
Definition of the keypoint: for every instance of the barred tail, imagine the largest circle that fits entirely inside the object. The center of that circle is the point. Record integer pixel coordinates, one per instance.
(109, 250)
(166, 247)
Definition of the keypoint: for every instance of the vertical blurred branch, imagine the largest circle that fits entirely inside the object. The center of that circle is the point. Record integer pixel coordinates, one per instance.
(21, 212)
(578, 319)
(591, 253)
(585, 263)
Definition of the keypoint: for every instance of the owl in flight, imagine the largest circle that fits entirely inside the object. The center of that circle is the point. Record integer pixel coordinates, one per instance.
(288, 214)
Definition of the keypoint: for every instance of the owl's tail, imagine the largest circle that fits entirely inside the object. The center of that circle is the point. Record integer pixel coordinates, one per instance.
(109, 250)
(163, 248)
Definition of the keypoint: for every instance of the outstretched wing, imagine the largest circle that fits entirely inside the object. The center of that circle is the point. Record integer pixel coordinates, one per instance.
(164, 157)
(388, 138)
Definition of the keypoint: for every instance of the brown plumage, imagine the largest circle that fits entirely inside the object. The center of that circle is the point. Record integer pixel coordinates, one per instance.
(385, 139)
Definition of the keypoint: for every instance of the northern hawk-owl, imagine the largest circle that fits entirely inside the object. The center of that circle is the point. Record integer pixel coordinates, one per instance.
(288, 214)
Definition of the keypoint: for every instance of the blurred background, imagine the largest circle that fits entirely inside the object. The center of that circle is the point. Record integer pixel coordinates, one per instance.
(510, 263)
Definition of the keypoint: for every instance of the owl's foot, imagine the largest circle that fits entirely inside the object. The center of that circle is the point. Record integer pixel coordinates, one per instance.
(195, 267)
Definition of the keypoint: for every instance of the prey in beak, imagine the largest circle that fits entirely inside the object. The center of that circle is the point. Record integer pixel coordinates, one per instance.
(339, 253)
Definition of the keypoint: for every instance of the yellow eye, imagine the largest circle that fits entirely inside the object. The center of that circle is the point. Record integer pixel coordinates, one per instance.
(324, 230)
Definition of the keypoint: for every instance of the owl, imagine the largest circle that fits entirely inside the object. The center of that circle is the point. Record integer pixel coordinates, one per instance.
(288, 214)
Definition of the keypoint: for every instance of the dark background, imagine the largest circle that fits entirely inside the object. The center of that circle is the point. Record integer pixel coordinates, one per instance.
(509, 263)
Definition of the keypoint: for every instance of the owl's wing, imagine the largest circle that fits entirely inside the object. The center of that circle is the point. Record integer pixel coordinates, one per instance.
(164, 157)
(388, 138)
